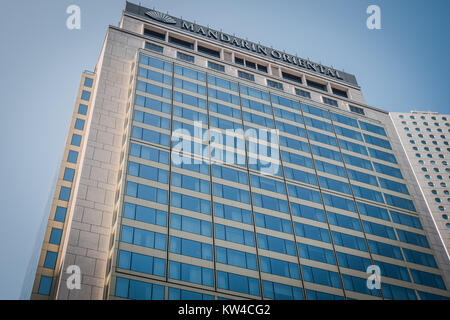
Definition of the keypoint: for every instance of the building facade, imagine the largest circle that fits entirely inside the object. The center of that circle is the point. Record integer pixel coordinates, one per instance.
(211, 167)
(424, 137)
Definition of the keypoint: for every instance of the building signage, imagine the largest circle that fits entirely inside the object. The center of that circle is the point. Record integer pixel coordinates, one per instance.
(252, 47)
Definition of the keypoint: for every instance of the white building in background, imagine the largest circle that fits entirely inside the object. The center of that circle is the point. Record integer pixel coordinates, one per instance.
(425, 138)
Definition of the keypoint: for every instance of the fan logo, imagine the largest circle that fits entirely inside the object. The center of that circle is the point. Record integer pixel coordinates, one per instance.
(159, 16)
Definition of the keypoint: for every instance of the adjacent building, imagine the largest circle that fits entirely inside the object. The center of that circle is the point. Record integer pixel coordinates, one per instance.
(425, 140)
(203, 166)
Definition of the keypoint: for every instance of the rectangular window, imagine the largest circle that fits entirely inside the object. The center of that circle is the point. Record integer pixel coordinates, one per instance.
(274, 84)
(64, 194)
(357, 110)
(154, 34)
(45, 285)
(185, 57)
(60, 214)
(191, 273)
(291, 77)
(72, 157)
(181, 43)
(153, 47)
(262, 68)
(191, 225)
(79, 124)
(238, 283)
(82, 109)
(76, 140)
(85, 95)
(340, 93)
(246, 75)
(302, 93)
(316, 85)
(216, 66)
(88, 82)
(236, 258)
(250, 64)
(69, 173)
(55, 236)
(278, 291)
(239, 61)
(138, 290)
(208, 51)
(330, 102)
(50, 259)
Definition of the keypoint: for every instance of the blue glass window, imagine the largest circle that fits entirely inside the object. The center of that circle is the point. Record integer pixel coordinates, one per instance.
(344, 221)
(413, 238)
(373, 211)
(372, 128)
(64, 194)
(357, 284)
(353, 262)
(279, 267)
(191, 273)
(85, 95)
(88, 82)
(236, 258)
(142, 263)
(232, 213)
(179, 294)
(55, 236)
(145, 192)
(384, 249)
(191, 225)
(45, 285)
(349, 241)
(50, 259)
(60, 214)
(339, 202)
(428, 279)
(343, 119)
(278, 291)
(238, 283)
(82, 109)
(190, 203)
(138, 290)
(399, 202)
(72, 156)
(310, 252)
(190, 248)
(236, 235)
(276, 244)
(312, 232)
(143, 238)
(267, 202)
(304, 193)
(144, 214)
(79, 124)
(76, 140)
(321, 276)
(273, 223)
(69, 174)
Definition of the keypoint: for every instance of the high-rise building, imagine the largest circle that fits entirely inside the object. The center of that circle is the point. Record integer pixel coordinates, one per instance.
(203, 166)
(425, 140)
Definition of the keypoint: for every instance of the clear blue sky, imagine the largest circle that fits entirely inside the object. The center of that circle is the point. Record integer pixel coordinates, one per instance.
(402, 67)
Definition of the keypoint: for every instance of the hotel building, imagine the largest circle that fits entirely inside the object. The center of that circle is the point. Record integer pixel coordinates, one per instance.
(288, 186)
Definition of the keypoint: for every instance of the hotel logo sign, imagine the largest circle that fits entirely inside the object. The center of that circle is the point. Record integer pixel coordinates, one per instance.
(159, 16)
(242, 44)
